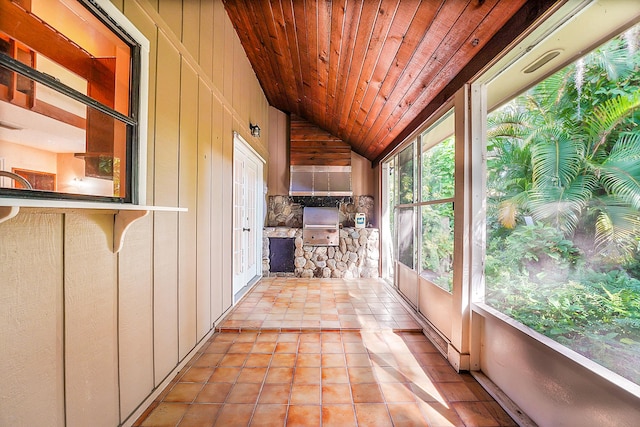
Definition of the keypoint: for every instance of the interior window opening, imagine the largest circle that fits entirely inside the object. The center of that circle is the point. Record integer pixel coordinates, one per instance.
(563, 206)
(67, 101)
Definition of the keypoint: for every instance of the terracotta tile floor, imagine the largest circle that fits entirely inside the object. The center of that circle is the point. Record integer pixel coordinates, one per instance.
(293, 304)
(321, 371)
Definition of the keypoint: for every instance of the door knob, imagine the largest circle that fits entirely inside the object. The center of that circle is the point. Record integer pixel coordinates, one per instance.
(246, 229)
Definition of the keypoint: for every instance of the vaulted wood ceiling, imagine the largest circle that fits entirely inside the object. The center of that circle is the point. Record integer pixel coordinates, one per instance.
(371, 71)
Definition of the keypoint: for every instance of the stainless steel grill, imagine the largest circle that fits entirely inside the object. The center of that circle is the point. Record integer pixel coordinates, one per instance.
(320, 226)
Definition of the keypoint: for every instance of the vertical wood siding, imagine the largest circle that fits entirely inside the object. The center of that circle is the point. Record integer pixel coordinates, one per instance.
(88, 334)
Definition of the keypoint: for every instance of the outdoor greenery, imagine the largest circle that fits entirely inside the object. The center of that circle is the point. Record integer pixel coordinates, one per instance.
(563, 217)
(438, 183)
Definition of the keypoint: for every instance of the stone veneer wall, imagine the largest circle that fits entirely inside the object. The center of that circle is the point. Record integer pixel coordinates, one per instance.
(356, 255)
(286, 211)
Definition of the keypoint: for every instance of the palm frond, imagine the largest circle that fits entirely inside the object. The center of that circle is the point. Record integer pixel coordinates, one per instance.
(617, 228)
(556, 158)
(613, 59)
(621, 177)
(607, 117)
(626, 148)
(561, 207)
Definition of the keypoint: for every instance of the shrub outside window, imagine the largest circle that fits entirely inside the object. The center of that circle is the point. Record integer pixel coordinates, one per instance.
(68, 102)
(563, 200)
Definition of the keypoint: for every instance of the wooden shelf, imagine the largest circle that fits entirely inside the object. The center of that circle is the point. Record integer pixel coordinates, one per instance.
(125, 214)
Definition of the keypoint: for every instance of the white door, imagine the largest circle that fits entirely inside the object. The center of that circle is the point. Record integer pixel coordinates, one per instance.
(247, 216)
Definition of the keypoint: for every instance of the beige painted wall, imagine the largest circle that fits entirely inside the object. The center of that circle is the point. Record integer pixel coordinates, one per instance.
(278, 168)
(23, 157)
(86, 335)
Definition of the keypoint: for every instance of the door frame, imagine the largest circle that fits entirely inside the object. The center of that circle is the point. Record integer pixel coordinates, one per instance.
(242, 146)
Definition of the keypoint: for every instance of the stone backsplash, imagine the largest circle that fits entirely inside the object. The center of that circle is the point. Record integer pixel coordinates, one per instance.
(286, 211)
(356, 255)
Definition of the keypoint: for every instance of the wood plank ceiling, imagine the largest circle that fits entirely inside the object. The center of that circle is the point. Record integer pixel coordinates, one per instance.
(371, 71)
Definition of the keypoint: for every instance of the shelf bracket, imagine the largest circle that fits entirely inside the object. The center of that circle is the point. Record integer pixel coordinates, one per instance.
(123, 219)
(8, 212)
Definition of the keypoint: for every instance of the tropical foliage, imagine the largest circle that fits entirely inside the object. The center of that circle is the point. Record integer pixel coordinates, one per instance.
(563, 208)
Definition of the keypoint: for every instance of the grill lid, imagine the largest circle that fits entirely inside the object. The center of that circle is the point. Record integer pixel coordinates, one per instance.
(314, 217)
(320, 226)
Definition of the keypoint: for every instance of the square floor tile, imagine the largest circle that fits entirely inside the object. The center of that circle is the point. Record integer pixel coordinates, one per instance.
(303, 416)
(275, 393)
(335, 375)
(237, 414)
(214, 393)
(366, 393)
(338, 416)
(197, 374)
(269, 416)
(166, 414)
(244, 393)
(183, 392)
(336, 393)
(279, 375)
(252, 375)
(305, 394)
(199, 415)
(307, 375)
(373, 415)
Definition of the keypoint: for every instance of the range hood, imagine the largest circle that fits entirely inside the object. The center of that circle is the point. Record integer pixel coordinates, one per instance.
(320, 181)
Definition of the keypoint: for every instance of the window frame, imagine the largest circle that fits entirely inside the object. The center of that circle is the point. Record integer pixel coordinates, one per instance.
(481, 102)
(135, 122)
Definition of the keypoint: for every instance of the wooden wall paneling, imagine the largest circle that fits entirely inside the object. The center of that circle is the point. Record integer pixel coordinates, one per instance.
(143, 23)
(227, 60)
(392, 42)
(220, 22)
(446, 59)
(165, 293)
(227, 209)
(217, 211)
(239, 88)
(261, 29)
(362, 176)
(191, 27)
(303, 45)
(278, 164)
(167, 121)
(165, 235)
(379, 34)
(324, 49)
(311, 19)
(347, 47)
(31, 320)
(203, 213)
(90, 313)
(311, 145)
(482, 31)
(206, 37)
(135, 316)
(413, 40)
(338, 16)
(119, 4)
(171, 13)
(365, 32)
(188, 193)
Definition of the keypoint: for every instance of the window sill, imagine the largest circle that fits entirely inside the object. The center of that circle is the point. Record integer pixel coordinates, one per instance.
(618, 381)
(125, 214)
